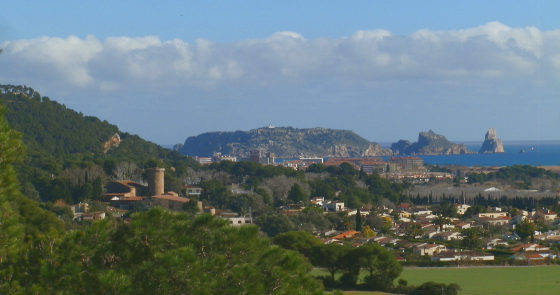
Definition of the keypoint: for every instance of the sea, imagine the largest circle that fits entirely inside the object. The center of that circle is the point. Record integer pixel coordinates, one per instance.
(535, 153)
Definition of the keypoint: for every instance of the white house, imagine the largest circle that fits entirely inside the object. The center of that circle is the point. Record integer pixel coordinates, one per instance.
(462, 208)
(428, 249)
(334, 206)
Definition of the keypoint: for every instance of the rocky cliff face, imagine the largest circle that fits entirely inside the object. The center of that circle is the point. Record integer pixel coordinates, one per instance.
(492, 144)
(429, 143)
(284, 142)
(113, 142)
(375, 149)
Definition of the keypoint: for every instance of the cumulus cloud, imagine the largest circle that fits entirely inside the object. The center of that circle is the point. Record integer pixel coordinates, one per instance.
(491, 51)
(55, 58)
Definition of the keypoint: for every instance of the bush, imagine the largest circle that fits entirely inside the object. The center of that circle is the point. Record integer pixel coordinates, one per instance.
(434, 288)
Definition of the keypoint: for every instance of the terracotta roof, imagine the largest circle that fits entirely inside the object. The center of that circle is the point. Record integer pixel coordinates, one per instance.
(495, 218)
(372, 162)
(346, 234)
(533, 256)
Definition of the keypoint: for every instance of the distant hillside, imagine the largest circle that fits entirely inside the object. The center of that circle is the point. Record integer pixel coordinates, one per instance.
(56, 135)
(429, 143)
(283, 142)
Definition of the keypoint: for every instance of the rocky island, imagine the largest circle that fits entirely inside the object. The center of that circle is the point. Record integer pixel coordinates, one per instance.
(284, 142)
(429, 143)
(492, 144)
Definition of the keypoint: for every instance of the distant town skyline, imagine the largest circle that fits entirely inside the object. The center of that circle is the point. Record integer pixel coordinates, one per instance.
(387, 71)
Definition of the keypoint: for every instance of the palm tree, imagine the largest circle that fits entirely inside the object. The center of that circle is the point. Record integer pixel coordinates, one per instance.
(441, 221)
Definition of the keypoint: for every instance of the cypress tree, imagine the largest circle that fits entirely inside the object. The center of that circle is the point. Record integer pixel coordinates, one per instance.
(358, 220)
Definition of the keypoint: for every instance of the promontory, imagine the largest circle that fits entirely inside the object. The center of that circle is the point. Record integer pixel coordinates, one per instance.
(429, 143)
(284, 142)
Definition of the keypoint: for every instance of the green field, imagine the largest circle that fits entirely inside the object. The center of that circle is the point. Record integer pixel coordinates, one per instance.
(539, 280)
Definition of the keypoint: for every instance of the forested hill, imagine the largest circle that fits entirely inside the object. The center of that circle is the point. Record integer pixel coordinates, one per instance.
(283, 142)
(69, 155)
(54, 131)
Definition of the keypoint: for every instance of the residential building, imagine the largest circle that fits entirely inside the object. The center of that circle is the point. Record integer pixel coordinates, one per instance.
(333, 206)
(428, 249)
(169, 200)
(398, 164)
(462, 208)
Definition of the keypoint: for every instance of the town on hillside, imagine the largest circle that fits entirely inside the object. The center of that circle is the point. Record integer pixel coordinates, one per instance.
(424, 230)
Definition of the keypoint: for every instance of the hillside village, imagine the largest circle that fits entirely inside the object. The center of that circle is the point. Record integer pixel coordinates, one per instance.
(394, 208)
(416, 234)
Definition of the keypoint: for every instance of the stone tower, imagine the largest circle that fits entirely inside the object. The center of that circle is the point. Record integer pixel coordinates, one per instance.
(156, 182)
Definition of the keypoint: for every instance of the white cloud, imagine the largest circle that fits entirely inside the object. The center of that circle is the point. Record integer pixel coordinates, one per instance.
(58, 58)
(491, 51)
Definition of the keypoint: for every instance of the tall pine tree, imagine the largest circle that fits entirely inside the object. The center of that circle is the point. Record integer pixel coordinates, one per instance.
(25, 229)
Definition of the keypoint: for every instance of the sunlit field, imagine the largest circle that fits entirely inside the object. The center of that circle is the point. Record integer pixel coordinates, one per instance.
(541, 280)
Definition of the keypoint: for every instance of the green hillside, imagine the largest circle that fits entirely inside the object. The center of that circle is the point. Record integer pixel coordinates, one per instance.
(62, 144)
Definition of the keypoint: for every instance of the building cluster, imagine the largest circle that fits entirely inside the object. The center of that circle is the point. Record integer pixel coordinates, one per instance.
(124, 195)
(397, 169)
(417, 230)
(216, 158)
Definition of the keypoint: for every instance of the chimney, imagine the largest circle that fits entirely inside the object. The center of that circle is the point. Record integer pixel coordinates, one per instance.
(156, 182)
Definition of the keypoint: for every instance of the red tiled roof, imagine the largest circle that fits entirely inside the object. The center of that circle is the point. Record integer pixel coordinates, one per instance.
(346, 234)
(533, 256)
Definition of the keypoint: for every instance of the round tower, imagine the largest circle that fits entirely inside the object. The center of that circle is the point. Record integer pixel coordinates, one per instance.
(156, 184)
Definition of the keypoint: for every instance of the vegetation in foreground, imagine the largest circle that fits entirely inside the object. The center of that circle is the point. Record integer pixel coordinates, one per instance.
(62, 168)
(156, 252)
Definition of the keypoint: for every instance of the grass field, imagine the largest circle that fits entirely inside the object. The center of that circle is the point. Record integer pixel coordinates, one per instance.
(534, 280)
(537, 280)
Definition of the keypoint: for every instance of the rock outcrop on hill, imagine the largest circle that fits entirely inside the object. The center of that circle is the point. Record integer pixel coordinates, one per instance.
(284, 142)
(429, 143)
(114, 141)
(492, 144)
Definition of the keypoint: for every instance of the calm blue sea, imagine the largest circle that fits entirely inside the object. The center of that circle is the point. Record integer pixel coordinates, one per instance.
(543, 153)
(516, 153)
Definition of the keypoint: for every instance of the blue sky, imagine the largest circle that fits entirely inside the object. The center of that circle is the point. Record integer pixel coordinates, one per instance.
(385, 69)
(227, 21)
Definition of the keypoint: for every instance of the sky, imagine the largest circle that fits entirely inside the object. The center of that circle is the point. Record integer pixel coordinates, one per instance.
(167, 70)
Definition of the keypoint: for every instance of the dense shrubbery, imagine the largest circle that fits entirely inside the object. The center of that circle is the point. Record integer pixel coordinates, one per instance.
(521, 175)
(379, 263)
(160, 252)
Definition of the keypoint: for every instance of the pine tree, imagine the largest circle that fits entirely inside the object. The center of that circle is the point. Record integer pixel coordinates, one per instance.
(25, 228)
(11, 230)
(296, 194)
(358, 220)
